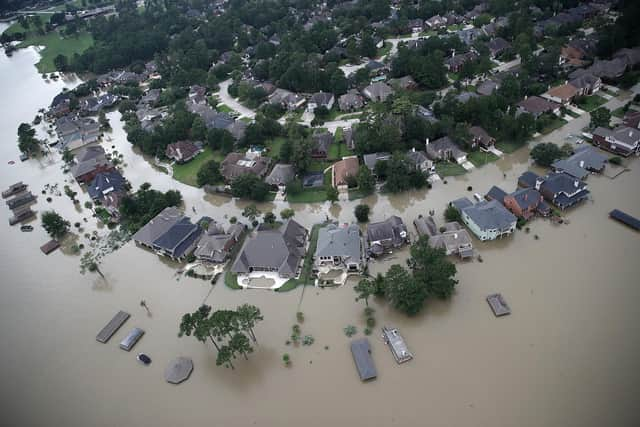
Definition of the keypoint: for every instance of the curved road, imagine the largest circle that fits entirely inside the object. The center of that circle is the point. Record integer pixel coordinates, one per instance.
(229, 101)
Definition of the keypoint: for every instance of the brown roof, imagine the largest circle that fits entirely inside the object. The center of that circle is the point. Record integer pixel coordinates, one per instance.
(182, 150)
(564, 92)
(236, 164)
(344, 168)
(537, 105)
(480, 133)
(632, 119)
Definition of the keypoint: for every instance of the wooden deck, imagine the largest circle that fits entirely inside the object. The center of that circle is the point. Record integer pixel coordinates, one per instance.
(114, 324)
(498, 305)
(625, 218)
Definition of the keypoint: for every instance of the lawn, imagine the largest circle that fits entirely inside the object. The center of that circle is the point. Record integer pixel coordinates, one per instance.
(187, 173)
(54, 45)
(384, 50)
(356, 194)
(274, 147)
(481, 158)
(223, 108)
(590, 103)
(619, 112)
(351, 116)
(449, 169)
(318, 165)
(338, 150)
(572, 114)
(309, 195)
(509, 147)
(305, 276)
(553, 125)
(453, 76)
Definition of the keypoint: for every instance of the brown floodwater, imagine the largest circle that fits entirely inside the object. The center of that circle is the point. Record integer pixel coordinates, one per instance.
(568, 355)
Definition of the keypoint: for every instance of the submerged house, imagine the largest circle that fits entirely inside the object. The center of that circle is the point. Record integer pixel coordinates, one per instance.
(183, 151)
(454, 239)
(584, 160)
(560, 189)
(273, 250)
(169, 233)
(215, 245)
(386, 235)
(236, 164)
(88, 163)
(444, 149)
(488, 220)
(340, 248)
(526, 202)
(622, 140)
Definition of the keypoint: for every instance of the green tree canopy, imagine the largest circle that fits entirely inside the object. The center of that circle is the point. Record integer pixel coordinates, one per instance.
(54, 224)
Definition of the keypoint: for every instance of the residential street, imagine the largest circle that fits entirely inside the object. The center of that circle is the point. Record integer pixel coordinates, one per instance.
(230, 102)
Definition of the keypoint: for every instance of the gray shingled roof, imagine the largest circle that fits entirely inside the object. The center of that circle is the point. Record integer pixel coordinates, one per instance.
(281, 174)
(342, 242)
(157, 226)
(490, 215)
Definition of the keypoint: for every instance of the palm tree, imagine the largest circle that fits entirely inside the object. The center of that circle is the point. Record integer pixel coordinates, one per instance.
(248, 316)
(199, 325)
(365, 288)
(90, 263)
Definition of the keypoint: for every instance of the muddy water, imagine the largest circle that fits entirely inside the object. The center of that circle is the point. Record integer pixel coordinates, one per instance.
(567, 356)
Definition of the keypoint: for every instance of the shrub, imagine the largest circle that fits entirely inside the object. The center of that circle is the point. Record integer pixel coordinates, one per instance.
(371, 322)
(615, 160)
(362, 213)
(350, 331)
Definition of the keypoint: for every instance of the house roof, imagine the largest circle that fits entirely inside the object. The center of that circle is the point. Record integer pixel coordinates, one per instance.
(182, 150)
(435, 148)
(537, 105)
(106, 182)
(526, 198)
(564, 92)
(321, 98)
(481, 134)
(487, 87)
(279, 250)
(371, 159)
(89, 160)
(337, 241)
(351, 99)
(490, 215)
(417, 157)
(496, 193)
(361, 351)
(584, 159)
(345, 168)
(584, 81)
(461, 203)
(388, 229)
(623, 134)
(179, 237)
(556, 183)
(157, 226)
(281, 174)
(378, 90)
(322, 141)
(498, 44)
(236, 164)
(212, 246)
(528, 179)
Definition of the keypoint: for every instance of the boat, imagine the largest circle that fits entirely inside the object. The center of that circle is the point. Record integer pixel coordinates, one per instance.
(26, 228)
(144, 359)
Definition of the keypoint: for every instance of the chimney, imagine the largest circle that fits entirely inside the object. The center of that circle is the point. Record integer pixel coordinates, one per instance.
(575, 184)
(427, 141)
(413, 149)
(582, 163)
(526, 196)
(453, 54)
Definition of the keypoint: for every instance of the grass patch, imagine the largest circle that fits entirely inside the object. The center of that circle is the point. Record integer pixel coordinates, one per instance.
(274, 147)
(351, 116)
(310, 195)
(187, 173)
(454, 27)
(449, 169)
(481, 158)
(223, 108)
(590, 103)
(338, 150)
(453, 76)
(619, 112)
(553, 125)
(54, 45)
(231, 280)
(572, 114)
(509, 147)
(318, 165)
(305, 276)
(384, 50)
(356, 194)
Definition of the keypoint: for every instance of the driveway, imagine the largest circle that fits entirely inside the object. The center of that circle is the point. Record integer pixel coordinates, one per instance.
(229, 101)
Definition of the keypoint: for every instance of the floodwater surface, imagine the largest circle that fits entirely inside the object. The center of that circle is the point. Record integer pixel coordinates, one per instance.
(568, 355)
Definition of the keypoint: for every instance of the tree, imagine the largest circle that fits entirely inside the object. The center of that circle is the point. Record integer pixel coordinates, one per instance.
(54, 224)
(332, 194)
(287, 213)
(104, 121)
(219, 139)
(240, 343)
(362, 212)
(89, 262)
(546, 153)
(452, 214)
(251, 212)
(198, 129)
(249, 186)
(600, 117)
(67, 156)
(248, 317)
(61, 62)
(432, 269)
(209, 173)
(27, 142)
(366, 180)
(225, 356)
(403, 292)
(269, 218)
(364, 289)
(198, 324)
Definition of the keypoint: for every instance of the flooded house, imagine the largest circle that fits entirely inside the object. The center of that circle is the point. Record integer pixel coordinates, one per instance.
(384, 236)
(88, 163)
(451, 237)
(560, 189)
(183, 151)
(278, 250)
(488, 220)
(526, 202)
(340, 248)
(215, 245)
(236, 164)
(622, 140)
(281, 175)
(343, 171)
(444, 149)
(585, 160)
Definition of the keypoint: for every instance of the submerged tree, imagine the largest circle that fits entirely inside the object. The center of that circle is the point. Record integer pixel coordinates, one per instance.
(248, 316)
(364, 289)
(91, 263)
(54, 224)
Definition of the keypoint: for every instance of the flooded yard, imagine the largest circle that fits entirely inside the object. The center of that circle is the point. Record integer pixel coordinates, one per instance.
(568, 355)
